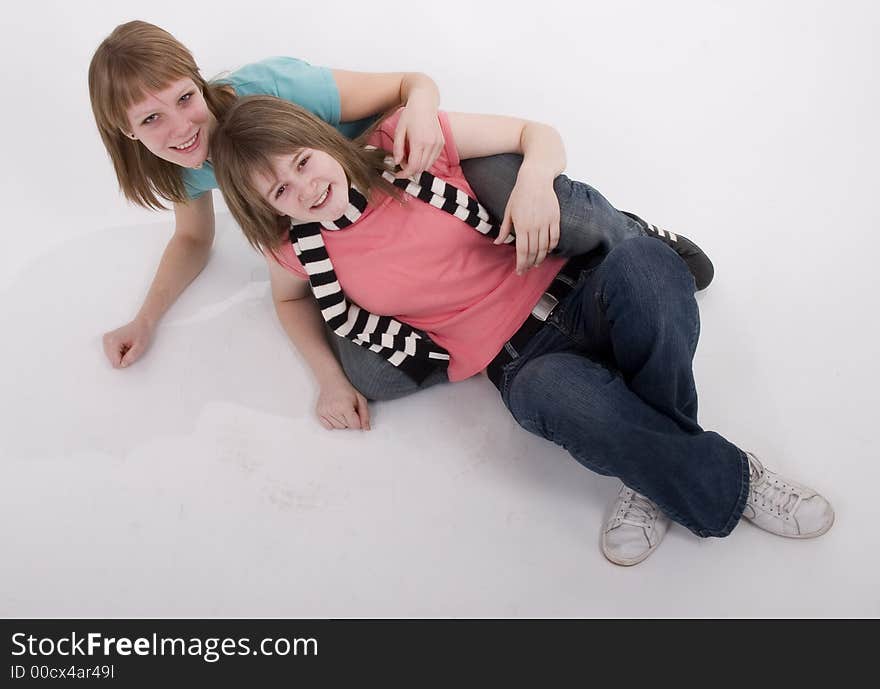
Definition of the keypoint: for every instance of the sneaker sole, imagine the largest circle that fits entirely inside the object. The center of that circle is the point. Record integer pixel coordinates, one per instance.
(628, 562)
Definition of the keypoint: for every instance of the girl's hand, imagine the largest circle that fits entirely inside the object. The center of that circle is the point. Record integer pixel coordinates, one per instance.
(418, 132)
(341, 406)
(533, 210)
(125, 345)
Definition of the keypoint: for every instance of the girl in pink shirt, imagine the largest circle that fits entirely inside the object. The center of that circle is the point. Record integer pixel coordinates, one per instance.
(596, 357)
(403, 258)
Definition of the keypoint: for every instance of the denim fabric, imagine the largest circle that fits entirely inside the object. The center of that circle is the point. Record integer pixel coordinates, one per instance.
(587, 223)
(610, 379)
(374, 377)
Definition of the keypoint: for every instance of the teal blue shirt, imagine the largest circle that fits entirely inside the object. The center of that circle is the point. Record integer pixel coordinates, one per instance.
(312, 88)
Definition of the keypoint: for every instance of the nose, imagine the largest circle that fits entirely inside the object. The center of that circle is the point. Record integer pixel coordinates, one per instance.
(180, 125)
(305, 189)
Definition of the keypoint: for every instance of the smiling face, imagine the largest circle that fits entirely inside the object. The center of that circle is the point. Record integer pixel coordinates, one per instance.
(174, 124)
(308, 185)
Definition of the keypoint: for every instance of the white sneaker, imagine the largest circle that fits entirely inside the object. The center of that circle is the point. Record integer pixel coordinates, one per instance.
(634, 528)
(784, 507)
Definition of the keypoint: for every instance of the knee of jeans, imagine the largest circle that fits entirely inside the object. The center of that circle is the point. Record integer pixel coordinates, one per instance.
(562, 187)
(557, 388)
(581, 229)
(587, 221)
(643, 250)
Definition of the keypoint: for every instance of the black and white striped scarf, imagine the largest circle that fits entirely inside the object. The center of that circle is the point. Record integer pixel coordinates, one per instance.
(411, 350)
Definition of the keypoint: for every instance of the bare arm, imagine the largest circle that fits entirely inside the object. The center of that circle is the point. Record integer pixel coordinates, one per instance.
(362, 94)
(184, 258)
(533, 208)
(339, 404)
(541, 146)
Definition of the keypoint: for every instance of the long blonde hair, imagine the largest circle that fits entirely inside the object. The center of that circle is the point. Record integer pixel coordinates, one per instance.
(257, 128)
(135, 59)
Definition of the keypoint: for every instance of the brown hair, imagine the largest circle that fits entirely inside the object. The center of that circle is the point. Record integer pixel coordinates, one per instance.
(135, 59)
(257, 128)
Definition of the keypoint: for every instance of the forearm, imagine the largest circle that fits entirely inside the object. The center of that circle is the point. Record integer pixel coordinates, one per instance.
(183, 259)
(419, 90)
(543, 152)
(304, 325)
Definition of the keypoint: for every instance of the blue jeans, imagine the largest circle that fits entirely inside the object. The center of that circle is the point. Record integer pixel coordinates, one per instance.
(587, 223)
(609, 378)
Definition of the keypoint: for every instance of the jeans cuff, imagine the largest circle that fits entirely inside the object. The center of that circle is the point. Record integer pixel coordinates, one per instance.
(741, 500)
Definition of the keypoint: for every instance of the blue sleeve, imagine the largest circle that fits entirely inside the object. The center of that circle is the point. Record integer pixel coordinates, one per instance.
(197, 182)
(312, 88)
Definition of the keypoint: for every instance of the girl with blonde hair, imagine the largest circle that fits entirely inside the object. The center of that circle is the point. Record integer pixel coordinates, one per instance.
(156, 113)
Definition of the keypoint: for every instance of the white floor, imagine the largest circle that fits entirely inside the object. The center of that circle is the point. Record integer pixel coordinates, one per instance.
(198, 482)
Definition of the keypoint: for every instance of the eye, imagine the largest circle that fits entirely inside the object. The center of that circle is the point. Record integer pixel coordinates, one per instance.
(185, 97)
(149, 119)
(280, 191)
(302, 163)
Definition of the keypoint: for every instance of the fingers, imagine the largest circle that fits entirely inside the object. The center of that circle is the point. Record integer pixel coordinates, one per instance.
(526, 251)
(351, 418)
(522, 251)
(532, 247)
(131, 354)
(546, 242)
(113, 350)
(506, 227)
(127, 344)
(399, 141)
(554, 236)
(422, 154)
(543, 247)
(336, 421)
(433, 154)
(357, 416)
(363, 412)
(414, 163)
(122, 352)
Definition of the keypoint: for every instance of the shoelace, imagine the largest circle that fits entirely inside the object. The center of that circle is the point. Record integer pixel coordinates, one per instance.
(639, 510)
(777, 495)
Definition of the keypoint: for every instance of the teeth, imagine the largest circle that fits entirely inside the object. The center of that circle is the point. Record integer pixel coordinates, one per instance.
(187, 144)
(323, 196)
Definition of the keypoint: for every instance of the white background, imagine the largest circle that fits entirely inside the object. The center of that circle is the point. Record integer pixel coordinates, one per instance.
(199, 482)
